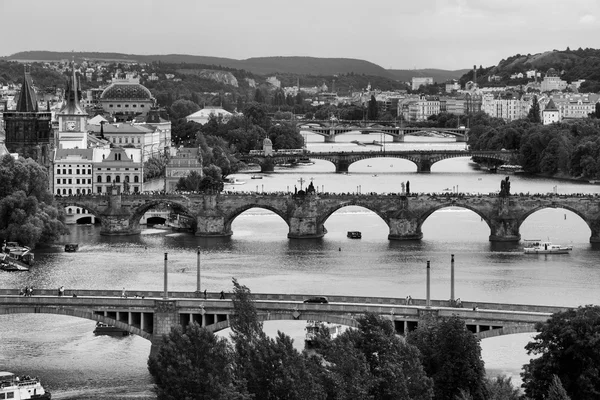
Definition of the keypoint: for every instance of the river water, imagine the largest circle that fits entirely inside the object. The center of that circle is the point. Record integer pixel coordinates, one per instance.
(75, 364)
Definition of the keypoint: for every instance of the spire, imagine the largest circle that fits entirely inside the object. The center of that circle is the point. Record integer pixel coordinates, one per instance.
(71, 104)
(27, 100)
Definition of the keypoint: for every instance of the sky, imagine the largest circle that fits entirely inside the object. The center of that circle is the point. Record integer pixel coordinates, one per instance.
(395, 34)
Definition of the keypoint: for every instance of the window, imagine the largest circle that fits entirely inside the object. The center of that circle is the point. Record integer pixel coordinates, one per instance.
(118, 179)
(89, 192)
(57, 191)
(57, 171)
(126, 178)
(89, 181)
(64, 171)
(70, 171)
(77, 171)
(70, 192)
(135, 189)
(89, 171)
(78, 192)
(64, 191)
(77, 181)
(136, 179)
(110, 105)
(99, 189)
(108, 179)
(70, 181)
(99, 180)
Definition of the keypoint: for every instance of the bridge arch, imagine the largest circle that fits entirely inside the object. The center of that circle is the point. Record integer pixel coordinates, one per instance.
(174, 205)
(77, 313)
(230, 217)
(575, 211)
(79, 203)
(289, 316)
(453, 203)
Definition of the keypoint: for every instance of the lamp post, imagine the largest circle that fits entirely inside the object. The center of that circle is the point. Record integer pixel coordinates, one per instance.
(301, 180)
(166, 293)
(198, 273)
(452, 278)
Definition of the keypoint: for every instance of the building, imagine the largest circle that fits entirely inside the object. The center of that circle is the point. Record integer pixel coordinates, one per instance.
(72, 171)
(452, 85)
(572, 106)
(126, 98)
(550, 114)
(119, 168)
(507, 109)
(417, 82)
(150, 140)
(72, 132)
(181, 164)
(552, 82)
(202, 116)
(27, 127)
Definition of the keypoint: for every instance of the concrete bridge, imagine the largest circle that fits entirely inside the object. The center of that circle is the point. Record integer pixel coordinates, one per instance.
(330, 129)
(342, 160)
(150, 315)
(306, 215)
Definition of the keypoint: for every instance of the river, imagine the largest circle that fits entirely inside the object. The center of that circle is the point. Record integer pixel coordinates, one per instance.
(75, 364)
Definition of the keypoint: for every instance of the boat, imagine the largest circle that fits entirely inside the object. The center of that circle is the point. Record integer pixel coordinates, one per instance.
(354, 234)
(313, 328)
(233, 181)
(71, 247)
(510, 169)
(256, 177)
(9, 264)
(106, 329)
(540, 247)
(21, 387)
(15, 257)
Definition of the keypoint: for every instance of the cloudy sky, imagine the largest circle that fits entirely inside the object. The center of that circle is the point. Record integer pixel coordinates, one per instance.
(399, 34)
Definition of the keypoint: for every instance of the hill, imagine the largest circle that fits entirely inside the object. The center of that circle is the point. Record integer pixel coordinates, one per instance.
(257, 65)
(438, 75)
(571, 65)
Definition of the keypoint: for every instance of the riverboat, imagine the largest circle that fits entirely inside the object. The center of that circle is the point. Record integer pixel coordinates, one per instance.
(510, 169)
(539, 247)
(256, 177)
(21, 388)
(354, 234)
(233, 181)
(314, 327)
(9, 264)
(106, 329)
(15, 254)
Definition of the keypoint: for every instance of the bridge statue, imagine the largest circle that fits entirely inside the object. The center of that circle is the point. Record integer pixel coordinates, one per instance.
(505, 187)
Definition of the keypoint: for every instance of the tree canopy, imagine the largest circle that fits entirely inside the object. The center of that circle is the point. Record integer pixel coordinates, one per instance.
(27, 211)
(567, 346)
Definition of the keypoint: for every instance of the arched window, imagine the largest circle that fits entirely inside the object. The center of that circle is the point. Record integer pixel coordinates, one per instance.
(64, 191)
(78, 191)
(118, 178)
(108, 178)
(70, 210)
(99, 179)
(89, 191)
(57, 191)
(126, 178)
(77, 210)
(136, 179)
(70, 192)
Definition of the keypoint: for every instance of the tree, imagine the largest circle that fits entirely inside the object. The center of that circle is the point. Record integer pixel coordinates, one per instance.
(372, 362)
(451, 356)
(190, 183)
(182, 108)
(501, 388)
(556, 391)
(534, 111)
(372, 109)
(195, 364)
(567, 345)
(27, 211)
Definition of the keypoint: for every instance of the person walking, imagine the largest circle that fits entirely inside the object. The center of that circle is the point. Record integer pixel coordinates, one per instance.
(123, 293)
(222, 295)
(204, 294)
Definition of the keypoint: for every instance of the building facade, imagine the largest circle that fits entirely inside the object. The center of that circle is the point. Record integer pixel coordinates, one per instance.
(417, 82)
(181, 164)
(126, 98)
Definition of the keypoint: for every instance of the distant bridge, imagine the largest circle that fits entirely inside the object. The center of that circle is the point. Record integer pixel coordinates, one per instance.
(342, 160)
(330, 129)
(149, 315)
(306, 215)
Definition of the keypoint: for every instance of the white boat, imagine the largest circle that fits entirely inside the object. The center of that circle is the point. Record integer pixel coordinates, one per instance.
(539, 247)
(21, 388)
(233, 181)
(313, 327)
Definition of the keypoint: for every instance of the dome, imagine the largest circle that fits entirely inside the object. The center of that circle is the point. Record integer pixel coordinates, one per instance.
(551, 72)
(267, 142)
(126, 91)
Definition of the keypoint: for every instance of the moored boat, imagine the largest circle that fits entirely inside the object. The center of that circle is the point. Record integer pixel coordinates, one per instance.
(354, 234)
(105, 329)
(16, 252)
(21, 388)
(540, 247)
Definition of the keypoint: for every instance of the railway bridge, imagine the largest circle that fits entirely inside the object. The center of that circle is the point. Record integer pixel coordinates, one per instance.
(151, 314)
(306, 214)
(342, 160)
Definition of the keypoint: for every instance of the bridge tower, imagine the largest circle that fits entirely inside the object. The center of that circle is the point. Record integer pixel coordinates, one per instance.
(115, 219)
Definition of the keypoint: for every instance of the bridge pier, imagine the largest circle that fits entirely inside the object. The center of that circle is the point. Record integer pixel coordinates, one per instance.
(341, 166)
(267, 166)
(424, 165)
(405, 229)
(305, 228)
(212, 226)
(595, 227)
(399, 138)
(165, 318)
(504, 230)
(330, 138)
(118, 225)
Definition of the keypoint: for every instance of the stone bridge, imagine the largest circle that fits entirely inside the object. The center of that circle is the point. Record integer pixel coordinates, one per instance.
(306, 215)
(330, 129)
(150, 315)
(342, 160)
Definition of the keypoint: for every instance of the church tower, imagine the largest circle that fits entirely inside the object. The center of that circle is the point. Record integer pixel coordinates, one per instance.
(72, 133)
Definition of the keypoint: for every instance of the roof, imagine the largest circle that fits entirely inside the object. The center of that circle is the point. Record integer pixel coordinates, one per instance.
(551, 106)
(27, 100)
(207, 111)
(96, 120)
(126, 91)
(121, 128)
(85, 154)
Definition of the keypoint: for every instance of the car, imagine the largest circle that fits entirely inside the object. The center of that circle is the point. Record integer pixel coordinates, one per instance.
(317, 299)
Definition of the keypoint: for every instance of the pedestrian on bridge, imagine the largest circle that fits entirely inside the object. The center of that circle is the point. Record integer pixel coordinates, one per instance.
(222, 295)
(124, 293)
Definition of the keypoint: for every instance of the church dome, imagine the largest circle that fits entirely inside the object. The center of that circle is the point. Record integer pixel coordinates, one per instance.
(126, 91)
(551, 72)
(267, 142)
